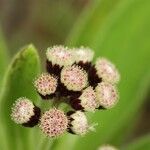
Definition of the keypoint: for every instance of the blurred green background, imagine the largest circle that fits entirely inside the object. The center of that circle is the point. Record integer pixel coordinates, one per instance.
(116, 29)
(43, 22)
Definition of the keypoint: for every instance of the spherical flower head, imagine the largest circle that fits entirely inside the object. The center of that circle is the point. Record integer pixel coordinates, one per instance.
(79, 123)
(83, 54)
(107, 71)
(106, 94)
(88, 99)
(107, 147)
(22, 110)
(74, 78)
(53, 123)
(46, 84)
(60, 55)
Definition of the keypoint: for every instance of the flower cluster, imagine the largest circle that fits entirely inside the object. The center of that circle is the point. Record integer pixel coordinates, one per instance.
(71, 78)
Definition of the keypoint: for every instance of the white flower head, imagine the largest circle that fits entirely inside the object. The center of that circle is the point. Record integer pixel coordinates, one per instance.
(46, 84)
(74, 78)
(22, 110)
(107, 71)
(79, 123)
(88, 99)
(53, 123)
(106, 94)
(83, 54)
(60, 55)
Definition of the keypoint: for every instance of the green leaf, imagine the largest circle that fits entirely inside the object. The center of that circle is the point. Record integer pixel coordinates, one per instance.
(18, 83)
(142, 143)
(3, 57)
(124, 39)
(90, 21)
(3, 63)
